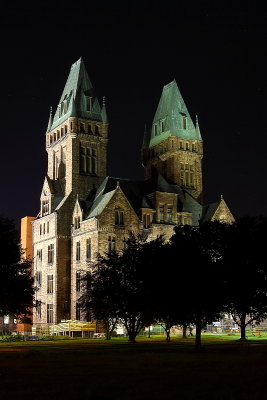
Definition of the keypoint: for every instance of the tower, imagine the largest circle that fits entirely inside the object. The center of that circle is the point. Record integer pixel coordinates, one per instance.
(174, 147)
(76, 143)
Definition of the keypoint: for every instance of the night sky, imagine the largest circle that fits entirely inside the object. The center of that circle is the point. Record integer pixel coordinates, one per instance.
(216, 51)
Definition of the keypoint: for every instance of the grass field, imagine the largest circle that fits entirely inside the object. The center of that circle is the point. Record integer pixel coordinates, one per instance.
(150, 369)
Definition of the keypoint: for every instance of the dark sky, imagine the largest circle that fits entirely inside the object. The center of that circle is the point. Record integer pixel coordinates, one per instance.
(215, 50)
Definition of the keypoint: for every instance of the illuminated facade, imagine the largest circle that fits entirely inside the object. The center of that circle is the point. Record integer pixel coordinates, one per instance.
(84, 212)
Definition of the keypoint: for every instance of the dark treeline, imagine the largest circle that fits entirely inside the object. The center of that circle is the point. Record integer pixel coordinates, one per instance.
(16, 282)
(194, 278)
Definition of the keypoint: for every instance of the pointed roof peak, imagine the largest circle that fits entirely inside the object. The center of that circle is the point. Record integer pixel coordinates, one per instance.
(172, 117)
(78, 97)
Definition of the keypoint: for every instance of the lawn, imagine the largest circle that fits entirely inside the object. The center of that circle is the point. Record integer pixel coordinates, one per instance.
(150, 369)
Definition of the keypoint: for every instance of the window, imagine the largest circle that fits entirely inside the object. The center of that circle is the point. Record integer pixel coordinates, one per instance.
(71, 126)
(78, 311)
(39, 254)
(89, 129)
(97, 130)
(38, 278)
(88, 103)
(66, 129)
(82, 130)
(155, 129)
(125, 245)
(184, 122)
(181, 145)
(119, 217)
(59, 110)
(78, 251)
(88, 160)
(187, 175)
(88, 249)
(162, 125)
(77, 222)
(50, 284)
(45, 207)
(49, 313)
(78, 281)
(111, 244)
(44, 228)
(161, 213)
(187, 147)
(169, 214)
(50, 257)
(40, 229)
(146, 220)
(47, 227)
(65, 105)
(38, 308)
(194, 148)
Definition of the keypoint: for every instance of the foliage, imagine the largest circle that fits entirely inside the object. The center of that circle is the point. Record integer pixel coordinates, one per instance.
(16, 283)
(245, 271)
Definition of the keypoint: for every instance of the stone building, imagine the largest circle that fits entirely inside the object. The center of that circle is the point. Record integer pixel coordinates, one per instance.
(84, 212)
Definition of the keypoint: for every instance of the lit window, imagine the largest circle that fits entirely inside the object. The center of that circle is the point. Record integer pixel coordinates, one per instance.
(78, 251)
(50, 318)
(119, 217)
(50, 284)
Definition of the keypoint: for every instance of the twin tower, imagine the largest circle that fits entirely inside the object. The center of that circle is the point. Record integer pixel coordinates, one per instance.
(84, 212)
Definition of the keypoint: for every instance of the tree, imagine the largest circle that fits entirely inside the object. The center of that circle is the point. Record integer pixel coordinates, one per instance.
(197, 252)
(120, 286)
(16, 282)
(245, 271)
(100, 292)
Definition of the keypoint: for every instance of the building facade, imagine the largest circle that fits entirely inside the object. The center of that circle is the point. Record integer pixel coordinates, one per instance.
(83, 211)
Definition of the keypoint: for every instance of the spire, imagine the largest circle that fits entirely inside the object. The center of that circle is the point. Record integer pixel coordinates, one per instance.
(172, 117)
(197, 129)
(78, 97)
(50, 121)
(104, 111)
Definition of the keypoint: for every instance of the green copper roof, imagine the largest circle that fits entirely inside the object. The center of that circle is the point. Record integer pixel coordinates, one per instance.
(78, 99)
(172, 118)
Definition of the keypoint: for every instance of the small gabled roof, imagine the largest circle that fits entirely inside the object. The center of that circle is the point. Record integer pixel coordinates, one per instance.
(73, 101)
(209, 211)
(168, 120)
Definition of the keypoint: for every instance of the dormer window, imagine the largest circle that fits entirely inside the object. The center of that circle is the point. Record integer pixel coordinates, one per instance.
(155, 129)
(59, 111)
(45, 207)
(65, 105)
(184, 122)
(88, 103)
(77, 223)
(162, 127)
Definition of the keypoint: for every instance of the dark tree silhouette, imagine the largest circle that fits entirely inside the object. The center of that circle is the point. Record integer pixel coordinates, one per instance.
(198, 252)
(245, 271)
(119, 288)
(16, 282)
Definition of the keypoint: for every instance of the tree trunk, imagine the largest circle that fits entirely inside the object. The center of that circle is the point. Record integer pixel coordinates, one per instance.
(184, 331)
(132, 336)
(243, 327)
(198, 335)
(168, 335)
